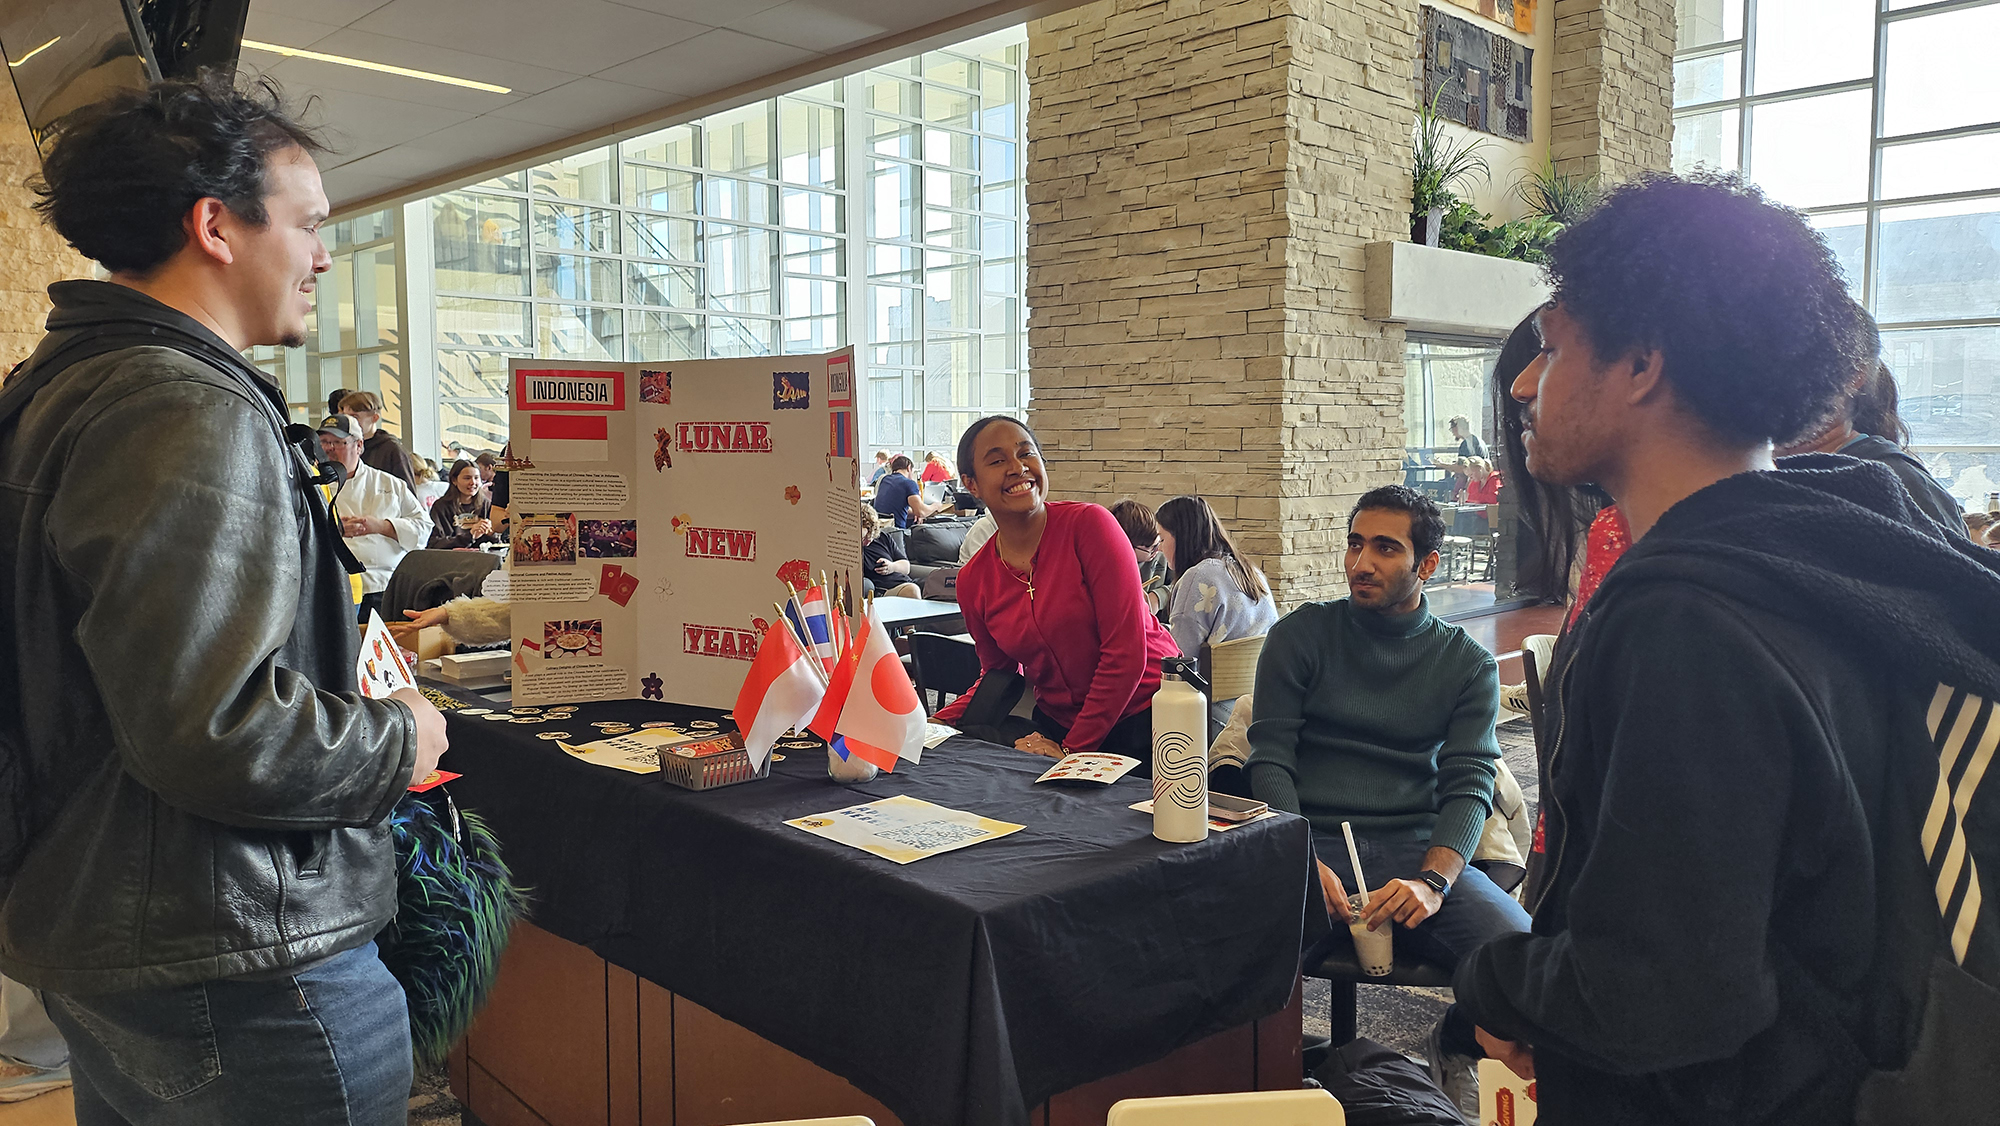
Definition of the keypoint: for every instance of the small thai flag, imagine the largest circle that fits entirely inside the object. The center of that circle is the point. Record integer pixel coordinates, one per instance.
(818, 624)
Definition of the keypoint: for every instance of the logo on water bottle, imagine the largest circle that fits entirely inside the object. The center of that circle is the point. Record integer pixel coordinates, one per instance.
(1178, 772)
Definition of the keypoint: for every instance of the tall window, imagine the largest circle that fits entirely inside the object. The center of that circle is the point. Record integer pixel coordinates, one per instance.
(1863, 114)
(723, 237)
(354, 333)
(945, 230)
(883, 208)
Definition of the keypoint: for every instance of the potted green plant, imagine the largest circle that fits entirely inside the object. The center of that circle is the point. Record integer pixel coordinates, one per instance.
(1560, 196)
(1442, 163)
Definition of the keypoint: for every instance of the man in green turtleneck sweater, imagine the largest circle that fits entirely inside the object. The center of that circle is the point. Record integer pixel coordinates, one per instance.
(1371, 711)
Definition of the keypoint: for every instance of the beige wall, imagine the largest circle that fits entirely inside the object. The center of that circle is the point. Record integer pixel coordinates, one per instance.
(1203, 176)
(31, 255)
(1614, 87)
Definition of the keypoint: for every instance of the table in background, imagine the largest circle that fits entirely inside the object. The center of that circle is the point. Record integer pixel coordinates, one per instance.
(968, 987)
(898, 614)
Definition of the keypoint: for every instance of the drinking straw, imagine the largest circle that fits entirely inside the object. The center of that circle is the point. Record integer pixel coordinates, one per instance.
(1354, 858)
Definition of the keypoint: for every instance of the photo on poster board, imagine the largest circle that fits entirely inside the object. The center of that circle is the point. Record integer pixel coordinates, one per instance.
(545, 541)
(656, 387)
(608, 539)
(572, 639)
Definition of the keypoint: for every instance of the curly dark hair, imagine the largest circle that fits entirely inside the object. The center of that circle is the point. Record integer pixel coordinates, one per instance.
(1426, 522)
(123, 172)
(1742, 297)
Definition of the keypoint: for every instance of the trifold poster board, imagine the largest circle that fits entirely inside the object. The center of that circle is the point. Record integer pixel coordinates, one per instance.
(664, 507)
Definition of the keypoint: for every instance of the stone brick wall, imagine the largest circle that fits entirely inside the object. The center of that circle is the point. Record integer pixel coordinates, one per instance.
(1614, 87)
(31, 255)
(1203, 176)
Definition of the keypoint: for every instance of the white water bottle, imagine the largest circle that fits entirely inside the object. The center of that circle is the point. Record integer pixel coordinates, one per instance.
(1180, 754)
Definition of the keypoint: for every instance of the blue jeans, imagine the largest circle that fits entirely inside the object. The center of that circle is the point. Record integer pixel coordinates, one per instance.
(326, 1047)
(1473, 914)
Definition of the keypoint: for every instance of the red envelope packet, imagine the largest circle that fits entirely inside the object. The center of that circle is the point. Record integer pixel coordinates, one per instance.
(607, 583)
(437, 778)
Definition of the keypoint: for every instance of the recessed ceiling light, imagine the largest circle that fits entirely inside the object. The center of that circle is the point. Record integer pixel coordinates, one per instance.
(364, 64)
(36, 51)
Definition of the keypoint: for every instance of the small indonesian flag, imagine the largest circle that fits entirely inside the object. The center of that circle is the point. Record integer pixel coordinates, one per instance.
(881, 720)
(779, 692)
(569, 437)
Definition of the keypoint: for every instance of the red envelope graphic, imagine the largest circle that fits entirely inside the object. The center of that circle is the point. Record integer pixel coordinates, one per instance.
(624, 589)
(608, 581)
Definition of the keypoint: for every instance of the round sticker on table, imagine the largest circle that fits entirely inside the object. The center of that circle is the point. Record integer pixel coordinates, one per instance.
(776, 757)
(526, 711)
(529, 719)
(656, 723)
(551, 734)
(498, 717)
(799, 744)
(562, 711)
(475, 711)
(704, 723)
(617, 731)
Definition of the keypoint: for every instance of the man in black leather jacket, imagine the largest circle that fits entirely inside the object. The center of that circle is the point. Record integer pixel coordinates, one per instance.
(193, 798)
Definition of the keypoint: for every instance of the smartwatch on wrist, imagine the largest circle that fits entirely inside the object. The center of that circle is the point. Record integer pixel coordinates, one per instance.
(1437, 882)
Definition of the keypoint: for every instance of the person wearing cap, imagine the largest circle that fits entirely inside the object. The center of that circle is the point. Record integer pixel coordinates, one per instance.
(381, 449)
(378, 514)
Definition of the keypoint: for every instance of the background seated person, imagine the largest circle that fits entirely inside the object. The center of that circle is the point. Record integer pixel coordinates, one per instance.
(463, 516)
(1369, 710)
(1469, 443)
(1142, 529)
(379, 516)
(1217, 595)
(935, 471)
(881, 467)
(883, 561)
(899, 497)
(1060, 570)
(1866, 424)
(1482, 482)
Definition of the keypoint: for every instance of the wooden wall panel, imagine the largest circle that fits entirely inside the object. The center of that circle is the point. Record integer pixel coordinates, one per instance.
(655, 1055)
(1226, 1061)
(726, 1074)
(621, 1021)
(494, 1103)
(543, 1030)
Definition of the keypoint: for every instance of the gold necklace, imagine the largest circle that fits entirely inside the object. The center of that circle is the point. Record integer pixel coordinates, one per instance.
(1028, 582)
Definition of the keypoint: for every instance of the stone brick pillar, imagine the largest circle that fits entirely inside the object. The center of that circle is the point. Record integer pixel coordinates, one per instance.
(31, 255)
(1203, 176)
(1614, 87)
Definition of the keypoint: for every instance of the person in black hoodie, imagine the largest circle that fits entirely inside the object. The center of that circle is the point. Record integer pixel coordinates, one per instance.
(195, 850)
(1733, 917)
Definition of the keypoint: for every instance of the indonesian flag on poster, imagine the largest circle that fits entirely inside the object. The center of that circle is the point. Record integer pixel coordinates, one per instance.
(569, 437)
(882, 719)
(780, 691)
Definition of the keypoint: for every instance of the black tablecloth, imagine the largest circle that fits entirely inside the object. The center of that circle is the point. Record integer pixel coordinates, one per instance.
(964, 988)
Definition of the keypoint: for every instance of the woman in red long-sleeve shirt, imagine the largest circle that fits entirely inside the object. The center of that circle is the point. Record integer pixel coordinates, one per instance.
(1055, 593)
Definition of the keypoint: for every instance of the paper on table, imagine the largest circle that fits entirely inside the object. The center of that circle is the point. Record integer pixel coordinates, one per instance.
(381, 670)
(903, 828)
(935, 733)
(1089, 766)
(1216, 823)
(1505, 1096)
(638, 752)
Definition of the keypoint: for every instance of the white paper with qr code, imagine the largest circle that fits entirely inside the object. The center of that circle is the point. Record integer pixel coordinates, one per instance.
(903, 828)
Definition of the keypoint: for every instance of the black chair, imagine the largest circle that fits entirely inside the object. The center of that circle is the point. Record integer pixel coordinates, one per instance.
(944, 664)
(1343, 970)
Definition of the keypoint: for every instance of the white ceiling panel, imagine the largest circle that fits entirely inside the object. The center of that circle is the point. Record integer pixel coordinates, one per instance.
(574, 69)
(706, 62)
(577, 36)
(814, 24)
(586, 104)
(265, 27)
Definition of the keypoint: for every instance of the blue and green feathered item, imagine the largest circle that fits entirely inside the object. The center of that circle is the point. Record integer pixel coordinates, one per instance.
(456, 904)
